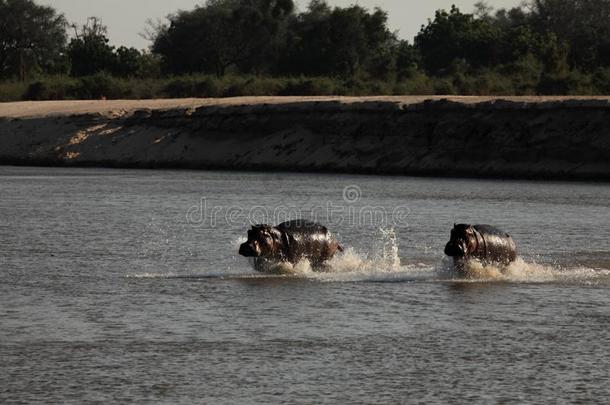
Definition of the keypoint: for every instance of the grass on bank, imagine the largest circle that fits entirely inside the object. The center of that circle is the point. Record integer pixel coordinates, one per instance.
(486, 82)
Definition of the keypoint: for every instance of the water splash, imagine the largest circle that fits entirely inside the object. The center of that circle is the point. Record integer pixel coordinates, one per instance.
(521, 271)
(382, 263)
(151, 275)
(236, 242)
(383, 258)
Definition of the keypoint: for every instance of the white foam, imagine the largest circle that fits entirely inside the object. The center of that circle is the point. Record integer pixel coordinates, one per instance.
(383, 263)
(521, 271)
(145, 275)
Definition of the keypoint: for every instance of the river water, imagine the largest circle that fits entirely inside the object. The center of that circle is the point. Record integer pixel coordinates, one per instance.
(125, 285)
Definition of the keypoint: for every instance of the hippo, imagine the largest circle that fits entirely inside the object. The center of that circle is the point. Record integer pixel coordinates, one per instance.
(482, 242)
(290, 242)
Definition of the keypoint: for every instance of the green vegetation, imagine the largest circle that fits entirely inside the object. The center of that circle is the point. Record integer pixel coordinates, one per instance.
(32, 39)
(266, 47)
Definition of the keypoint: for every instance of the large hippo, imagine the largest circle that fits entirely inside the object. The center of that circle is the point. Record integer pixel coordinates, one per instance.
(290, 242)
(482, 242)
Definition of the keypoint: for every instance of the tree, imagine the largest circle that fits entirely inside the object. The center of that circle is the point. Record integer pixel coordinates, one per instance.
(453, 35)
(342, 42)
(308, 42)
(245, 34)
(361, 42)
(150, 65)
(382, 46)
(200, 40)
(89, 51)
(263, 25)
(31, 37)
(130, 62)
(482, 11)
(127, 62)
(348, 40)
(583, 24)
(407, 59)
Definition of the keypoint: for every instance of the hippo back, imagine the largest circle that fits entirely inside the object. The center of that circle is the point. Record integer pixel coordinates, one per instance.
(306, 239)
(490, 230)
(302, 226)
(496, 245)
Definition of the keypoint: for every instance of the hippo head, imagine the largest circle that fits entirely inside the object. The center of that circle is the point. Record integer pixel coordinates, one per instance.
(263, 241)
(463, 241)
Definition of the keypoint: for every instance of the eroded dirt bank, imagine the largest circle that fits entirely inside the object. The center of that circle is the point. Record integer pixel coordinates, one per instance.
(550, 138)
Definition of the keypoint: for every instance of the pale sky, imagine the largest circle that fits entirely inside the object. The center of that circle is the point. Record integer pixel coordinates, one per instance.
(127, 18)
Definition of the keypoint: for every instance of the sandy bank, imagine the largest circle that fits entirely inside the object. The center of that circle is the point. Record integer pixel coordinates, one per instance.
(30, 109)
(525, 137)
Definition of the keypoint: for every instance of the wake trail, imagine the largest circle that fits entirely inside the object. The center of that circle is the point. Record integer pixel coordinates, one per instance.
(383, 264)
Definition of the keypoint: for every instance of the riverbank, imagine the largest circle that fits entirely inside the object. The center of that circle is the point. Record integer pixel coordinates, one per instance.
(565, 138)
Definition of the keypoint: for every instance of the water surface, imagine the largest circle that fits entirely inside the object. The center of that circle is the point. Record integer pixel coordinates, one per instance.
(118, 285)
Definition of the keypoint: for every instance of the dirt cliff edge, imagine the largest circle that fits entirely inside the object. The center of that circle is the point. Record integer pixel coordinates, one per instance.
(558, 138)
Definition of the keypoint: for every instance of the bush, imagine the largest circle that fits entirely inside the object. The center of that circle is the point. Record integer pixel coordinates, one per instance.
(322, 86)
(443, 87)
(483, 83)
(601, 81)
(138, 88)
(416, 86)
(101, 85)
(12, 91)
(572, 83)
(52, 88)
(38, 91)
(194, 86)
(378, 88)
(523, 77)
(180, 87)
(525, 74)
(208, 87)
(359, 87)
(235, 88)
(255, 86)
